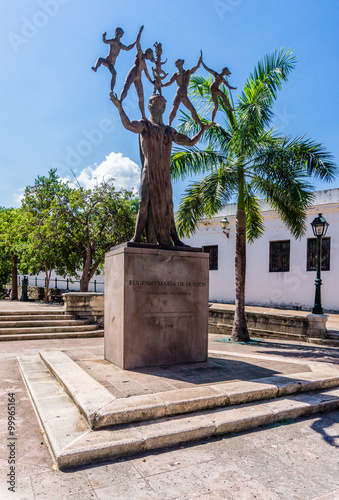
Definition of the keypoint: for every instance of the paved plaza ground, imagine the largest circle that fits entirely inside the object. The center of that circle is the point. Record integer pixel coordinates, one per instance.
(290, 460)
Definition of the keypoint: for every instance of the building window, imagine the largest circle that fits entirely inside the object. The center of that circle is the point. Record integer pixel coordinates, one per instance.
(279, 256)
(312, 254)
(213, 251)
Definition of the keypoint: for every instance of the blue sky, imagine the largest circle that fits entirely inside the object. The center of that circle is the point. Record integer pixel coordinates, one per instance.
(56, 112)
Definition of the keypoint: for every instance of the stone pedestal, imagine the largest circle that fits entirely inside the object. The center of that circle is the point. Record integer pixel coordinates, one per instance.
(156, 306)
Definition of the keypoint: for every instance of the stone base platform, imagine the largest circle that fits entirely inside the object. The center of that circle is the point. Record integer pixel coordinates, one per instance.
(85, 421)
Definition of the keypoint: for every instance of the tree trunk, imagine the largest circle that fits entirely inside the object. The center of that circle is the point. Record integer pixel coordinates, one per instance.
(84, 283)
(48, 277)
(239, 331)
(14, 292)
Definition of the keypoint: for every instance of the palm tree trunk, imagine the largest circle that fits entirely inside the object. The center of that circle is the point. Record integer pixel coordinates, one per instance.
(239, 331)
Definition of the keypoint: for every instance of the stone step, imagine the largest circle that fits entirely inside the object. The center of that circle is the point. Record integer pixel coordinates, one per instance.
(19, 325)
(332, 334)
(40, 317)
(48, 329)
(324, 341)
(59, 335)
(73, 442)
(101, 409)
(32, 313)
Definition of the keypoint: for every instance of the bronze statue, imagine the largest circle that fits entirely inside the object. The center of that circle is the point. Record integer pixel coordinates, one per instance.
(156, 205)
(115, 46)
(214, 88)
(134, 75)
(182, 77)
(158, 73)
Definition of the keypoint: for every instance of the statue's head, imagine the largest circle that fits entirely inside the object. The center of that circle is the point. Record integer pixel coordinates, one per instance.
(158, 49)
(179, 63)
(119, 32)
(157, 104)
(149, 55)
(225, 71)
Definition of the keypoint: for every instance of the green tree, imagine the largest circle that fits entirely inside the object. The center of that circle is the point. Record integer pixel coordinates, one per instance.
(5, 259)
(246, 161)
(12, 245)
(46, 248)
(92, 221)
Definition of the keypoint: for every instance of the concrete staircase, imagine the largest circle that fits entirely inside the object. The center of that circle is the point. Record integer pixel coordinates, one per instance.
(36, 325)
(84, 423)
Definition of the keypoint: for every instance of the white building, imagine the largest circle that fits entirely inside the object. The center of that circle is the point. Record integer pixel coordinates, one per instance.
(280, 269)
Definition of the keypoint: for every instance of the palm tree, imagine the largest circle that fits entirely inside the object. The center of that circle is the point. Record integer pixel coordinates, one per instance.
(245, 160)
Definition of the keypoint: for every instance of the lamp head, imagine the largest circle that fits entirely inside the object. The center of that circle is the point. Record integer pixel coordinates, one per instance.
(224, 223)
(319, 225)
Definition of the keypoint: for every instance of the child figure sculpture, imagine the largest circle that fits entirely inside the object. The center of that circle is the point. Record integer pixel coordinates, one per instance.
(158, 73)
(214, 88)
(115, 46)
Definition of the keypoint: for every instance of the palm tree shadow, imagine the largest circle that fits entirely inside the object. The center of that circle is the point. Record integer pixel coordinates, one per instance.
(213, 371)
(320, 425)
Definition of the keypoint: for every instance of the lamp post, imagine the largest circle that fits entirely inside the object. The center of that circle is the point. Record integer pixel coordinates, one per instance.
(319, 227)
(224, 225)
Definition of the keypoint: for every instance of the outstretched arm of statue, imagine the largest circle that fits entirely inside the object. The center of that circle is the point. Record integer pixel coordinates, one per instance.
(147, 75)
(227, 84)
(127, 47)
(139, 34)
(104, 39)
(194, 69)
(214, 73)
(184, 140)
(137, 41)
(133, 126)
(172, 79)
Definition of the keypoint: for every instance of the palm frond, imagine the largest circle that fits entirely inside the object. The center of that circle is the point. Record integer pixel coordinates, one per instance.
(274, 68)
(204, 199)
(286, 189)
(254, 221)
(191, 161)
(305, 154)
(260, 90)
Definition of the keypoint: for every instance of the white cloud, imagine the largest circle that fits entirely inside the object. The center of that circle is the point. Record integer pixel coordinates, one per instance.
(125, 172)
(18, 196)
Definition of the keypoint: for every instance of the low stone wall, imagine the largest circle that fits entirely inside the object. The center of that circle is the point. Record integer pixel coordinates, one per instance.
(38, 293)
(86, 305)
(265, 324)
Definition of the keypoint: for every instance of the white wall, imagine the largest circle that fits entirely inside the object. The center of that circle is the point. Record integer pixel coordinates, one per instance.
(285, 289)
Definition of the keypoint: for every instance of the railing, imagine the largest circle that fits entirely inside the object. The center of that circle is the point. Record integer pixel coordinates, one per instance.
(57, 281)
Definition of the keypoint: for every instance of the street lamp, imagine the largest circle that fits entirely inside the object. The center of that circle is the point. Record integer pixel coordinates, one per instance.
(224, 225)
(319, 227)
